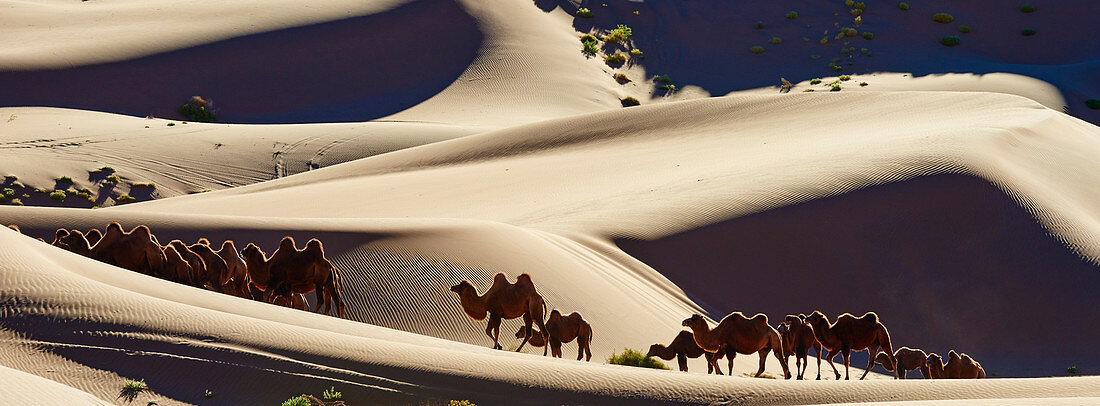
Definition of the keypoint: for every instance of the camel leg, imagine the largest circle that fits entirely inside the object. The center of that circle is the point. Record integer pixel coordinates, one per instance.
(713, 360)
(580, 348)
(555, 348)
(494, 325)
(798, 367)
(817, 350)
(871, 363)
(321, 298)
(846, 353)
(682, 361)
(527, 333)
(730, 355)
(763, 360)
(832, 354)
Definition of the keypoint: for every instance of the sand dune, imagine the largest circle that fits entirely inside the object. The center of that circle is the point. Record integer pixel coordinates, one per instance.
(475, 137)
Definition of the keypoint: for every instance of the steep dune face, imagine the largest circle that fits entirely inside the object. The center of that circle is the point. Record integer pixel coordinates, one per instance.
(947, 262)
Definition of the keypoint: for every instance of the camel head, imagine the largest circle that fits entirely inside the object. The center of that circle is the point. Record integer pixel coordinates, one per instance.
(935, 362)
(287, 243)
(228, 244)
(884, 359)
(94, 235)
(114, 227)
(464, 288)
(655, 349)
(817, 316)
(253, 253)
(694, 321)
(203, 241)
(60, 234)
(783, 327)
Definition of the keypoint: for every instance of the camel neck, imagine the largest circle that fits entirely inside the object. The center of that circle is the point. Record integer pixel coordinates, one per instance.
(705, 338)
(474, 305)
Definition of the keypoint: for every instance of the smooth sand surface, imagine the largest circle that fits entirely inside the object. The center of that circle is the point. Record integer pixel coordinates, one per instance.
(960, 207)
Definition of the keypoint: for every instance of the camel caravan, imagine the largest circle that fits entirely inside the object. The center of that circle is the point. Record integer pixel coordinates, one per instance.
(282, 278)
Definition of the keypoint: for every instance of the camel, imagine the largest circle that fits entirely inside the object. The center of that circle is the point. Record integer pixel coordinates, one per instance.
(93, 236)
(848, 334)
(59, 237)
(739, 335)
(683, 347)
(798, 338)
(176, 269)
(216, 268)
(236, 282)
(296, 301)
(135, 250)
(76, 242)
(958, 367)
(907, 360)
(197, 276)
(504, 300)
(304, 271)
(563, 329)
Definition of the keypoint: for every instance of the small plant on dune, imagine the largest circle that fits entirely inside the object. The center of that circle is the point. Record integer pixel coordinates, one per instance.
(620, 33)
(615, 58)
(868, 35)
(849, 3)
(775, 41)
(835, 86)
(9, 192)
(903, 6)
(950, 41)
(792, 15)
(1027, 32)
(1093, 104)
(865, 51)
(58, 195)
(634, 358)
(584, 13)
(862, 84)
(588, 38)
(845, 77)
(637, 53)
(131, 389)
(460, 403)
(1027, 8)
(113, 180)
(298, 401)
(855, 12)
(621, 78)
(669, 88)
(124, 198)
(662, 79)
(149, 185)
(198, 109)
(964, 29)
(757, 49)
(85, 195)
(942, 18)
(65, 180)
(591, 47)
(332, 394)
(208, 394)
(171, 124)
(807, 90)
(39, 190)
(861, 5)
(1071, 370)
(16, 202)
(629, 101)
(815, 81)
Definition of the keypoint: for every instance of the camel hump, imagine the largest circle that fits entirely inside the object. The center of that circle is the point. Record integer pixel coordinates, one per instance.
(203, 241)
(953, 355)
(760, 318)
(557, 313)
(523, 277)
(61, 233)
(287, 242)
(500, 277)
(313, 242)
(114, 226)
(142, 231)
(870, 316)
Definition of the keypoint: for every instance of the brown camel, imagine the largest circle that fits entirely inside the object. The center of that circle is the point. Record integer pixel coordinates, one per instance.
(216, 268)
(741, 335)
(798, 338)
(504, 300)
(563, 329)
(683, 347)
(848, 334)
(74, 241)
(59, 239)
(135, 250)
(259, 264)
(197, 277)
(296, 301)
(907, 360)
(237, 276)
(93, 236)
(176, 269)
(958, 367)
(304, 271)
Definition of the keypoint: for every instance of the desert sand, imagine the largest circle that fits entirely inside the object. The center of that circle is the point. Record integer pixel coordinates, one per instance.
(427, 142)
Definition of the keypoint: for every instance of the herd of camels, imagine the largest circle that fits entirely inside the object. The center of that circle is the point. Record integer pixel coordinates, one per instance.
(735, 334)
(282, 278)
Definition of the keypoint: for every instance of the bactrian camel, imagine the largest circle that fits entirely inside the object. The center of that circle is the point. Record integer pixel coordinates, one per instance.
(906, 359)
(563, 329)
(683, 347)
(742, 335)
(848, 334)
(504, 301)
(798, 338)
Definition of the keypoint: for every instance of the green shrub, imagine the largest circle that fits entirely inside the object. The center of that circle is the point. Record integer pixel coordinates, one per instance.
(855, 12)
(792, 15)
(775, 41)
(85, 190)
(669, 87)
(903, 6)
(1093, 104)
(171, 124)
(868, 35)
(862, 84)
(131, 389)
(1071, 370)
(208, 394)
(16, 202)
(757, 49)
(620, 33)
(58, 195)
(835, 87)
(332, 394)
(807, 90)
(1027, 8)
(845, 78)
(124, 198)
(950, 41)
(584, 13)
(39, 190)
(149, 185)
(861, 5)
(942, 18)
(1027, 32)
(964, 29)
(113, 180)
(588, 38)
(197, 109)
(629, 102)
(637, 52)
(815, 81)
(621, 77)
(615, 58)
(662, 79)
(65, 179)
(865, 51)
(849, 3)
(9, 192)
(634, 358)
(460, 403)
(591, 47)
(298, 401)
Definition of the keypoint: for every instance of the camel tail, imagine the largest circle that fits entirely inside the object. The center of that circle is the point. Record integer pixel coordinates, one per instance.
(885, 342)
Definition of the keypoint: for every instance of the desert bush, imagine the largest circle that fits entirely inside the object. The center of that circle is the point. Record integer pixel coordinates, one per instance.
(849, 3)
(942, 18)
(662, 79)
(1027, 32)
(615, 58)
(775, 41)
(815, 81)
(621, 77)
(591, 47)
(861, 5)
(460, 403)
(149, 185)
(584, 13)
(588, 38)
(208, 394)
(620, 33)
(171, 124)
(757, 49)
(9, 192)
(855, 12)
(868, 35)
(113, 180)
(58, 195)
(862, 84)
(964, 29)
(1093, 104)
(865, 51)
(197, 109)
(16, 202)
(629, 101)
(669, 87)
(65, 179)
(131, 389)
(332, 394)
(1071, 370)
(637, 52)
(298, 401)
(124, 198)
(903, 6)
(792, 15)
(1027, 8)
(634, 358)
(845, 77)
(950, 41)
(807, 90)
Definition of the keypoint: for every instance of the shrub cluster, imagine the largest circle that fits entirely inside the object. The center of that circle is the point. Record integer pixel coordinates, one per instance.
(634, 358)
(584, 13)
(942, 18)
(950, 41)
